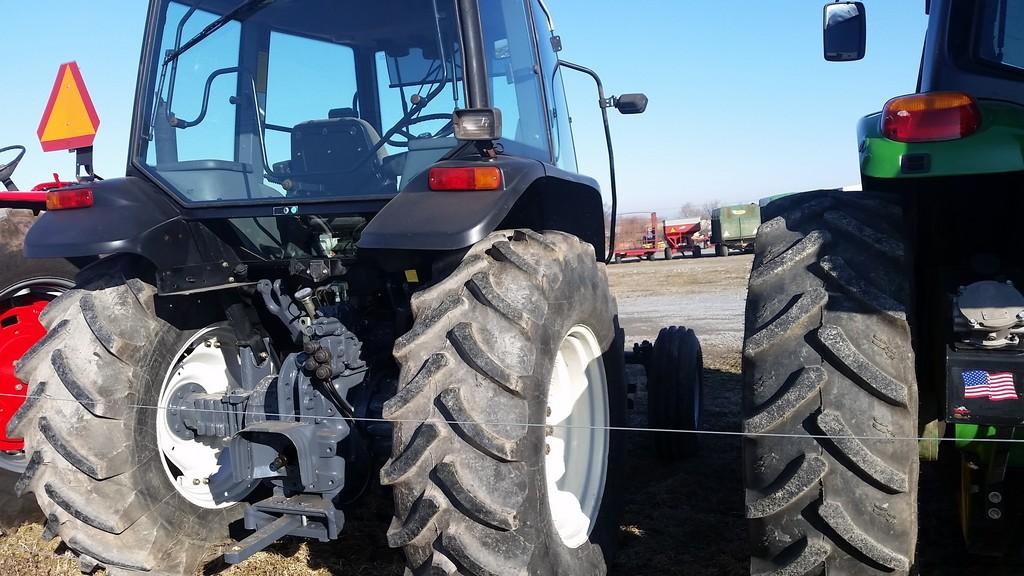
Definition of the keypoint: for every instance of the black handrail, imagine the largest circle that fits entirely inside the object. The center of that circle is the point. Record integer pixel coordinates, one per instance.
(605, 103)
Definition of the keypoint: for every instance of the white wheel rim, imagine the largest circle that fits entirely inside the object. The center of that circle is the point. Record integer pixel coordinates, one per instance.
(201, 472)
(576, 460)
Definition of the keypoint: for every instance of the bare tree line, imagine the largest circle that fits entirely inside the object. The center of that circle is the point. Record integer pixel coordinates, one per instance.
(700, 210)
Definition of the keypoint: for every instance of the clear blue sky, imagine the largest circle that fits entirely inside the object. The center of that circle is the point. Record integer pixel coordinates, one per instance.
(742, 104)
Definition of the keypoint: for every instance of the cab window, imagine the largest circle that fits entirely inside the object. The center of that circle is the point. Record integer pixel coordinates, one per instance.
(563, 148)
(515, 83)
(323, 95)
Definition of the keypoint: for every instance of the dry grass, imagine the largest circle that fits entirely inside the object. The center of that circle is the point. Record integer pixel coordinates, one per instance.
(23, 552)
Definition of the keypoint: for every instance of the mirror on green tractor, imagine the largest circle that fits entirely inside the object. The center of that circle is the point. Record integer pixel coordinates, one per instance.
(845, 31)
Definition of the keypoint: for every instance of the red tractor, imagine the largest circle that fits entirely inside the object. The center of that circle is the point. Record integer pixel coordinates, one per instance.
(26, 287)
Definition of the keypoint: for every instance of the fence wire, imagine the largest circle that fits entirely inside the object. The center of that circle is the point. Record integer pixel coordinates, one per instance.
(353, 419)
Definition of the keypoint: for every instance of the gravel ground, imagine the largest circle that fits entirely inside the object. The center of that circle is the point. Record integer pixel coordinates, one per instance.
(684, 518)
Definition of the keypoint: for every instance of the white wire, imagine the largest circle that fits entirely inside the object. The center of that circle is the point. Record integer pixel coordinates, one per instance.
(727, 433)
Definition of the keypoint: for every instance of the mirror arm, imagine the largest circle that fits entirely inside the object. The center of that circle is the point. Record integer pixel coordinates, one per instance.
(604, 103)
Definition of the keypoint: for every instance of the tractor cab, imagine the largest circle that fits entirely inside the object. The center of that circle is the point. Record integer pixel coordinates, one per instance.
(229, 115)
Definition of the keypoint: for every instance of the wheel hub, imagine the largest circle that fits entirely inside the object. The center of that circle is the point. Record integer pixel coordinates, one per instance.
(576, 460)
(201, 471)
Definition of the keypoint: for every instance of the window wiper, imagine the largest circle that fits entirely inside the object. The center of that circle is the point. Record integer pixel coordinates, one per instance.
(240, 12)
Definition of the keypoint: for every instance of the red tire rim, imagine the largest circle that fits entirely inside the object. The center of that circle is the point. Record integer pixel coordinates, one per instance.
(20, 329)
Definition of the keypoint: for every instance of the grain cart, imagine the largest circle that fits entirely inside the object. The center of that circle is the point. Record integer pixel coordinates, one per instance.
(683, 235)
(26, 287)
(734, 228)
(861, 337)
(351, 246)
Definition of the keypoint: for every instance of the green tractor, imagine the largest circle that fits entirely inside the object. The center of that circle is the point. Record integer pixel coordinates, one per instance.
(876, 319)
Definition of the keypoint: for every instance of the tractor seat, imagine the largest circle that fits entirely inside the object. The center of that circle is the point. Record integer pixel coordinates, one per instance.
(329, 157)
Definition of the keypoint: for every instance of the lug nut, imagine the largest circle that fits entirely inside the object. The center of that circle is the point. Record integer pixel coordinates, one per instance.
(195, 481)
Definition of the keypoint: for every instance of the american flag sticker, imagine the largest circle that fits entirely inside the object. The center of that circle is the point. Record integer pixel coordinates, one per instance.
(994, 386)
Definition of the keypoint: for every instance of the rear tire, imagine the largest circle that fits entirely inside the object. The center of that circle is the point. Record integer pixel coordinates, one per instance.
(470, 479)
(25, 286)
(668, 254)
(828, 359)
(95, 467)
(721, 250)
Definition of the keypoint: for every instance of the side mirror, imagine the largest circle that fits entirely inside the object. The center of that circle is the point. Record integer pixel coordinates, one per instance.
(631, 103)
(845, 31)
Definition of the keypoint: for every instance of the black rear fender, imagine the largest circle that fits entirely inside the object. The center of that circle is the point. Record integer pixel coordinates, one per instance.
(128, 216)
(535, 195)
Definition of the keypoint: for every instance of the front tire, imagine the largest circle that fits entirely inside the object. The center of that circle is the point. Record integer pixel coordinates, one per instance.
(829, 381)
(481, 416)
(91, 431)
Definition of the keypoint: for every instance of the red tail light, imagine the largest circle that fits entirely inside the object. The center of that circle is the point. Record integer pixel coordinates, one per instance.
(930, 117)
(68, 199)
(465, 179)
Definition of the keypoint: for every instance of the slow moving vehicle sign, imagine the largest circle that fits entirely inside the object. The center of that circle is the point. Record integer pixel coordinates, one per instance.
(70, 120)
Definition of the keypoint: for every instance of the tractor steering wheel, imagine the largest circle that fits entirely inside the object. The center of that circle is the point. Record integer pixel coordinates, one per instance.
(6, 170)
(403, 128)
